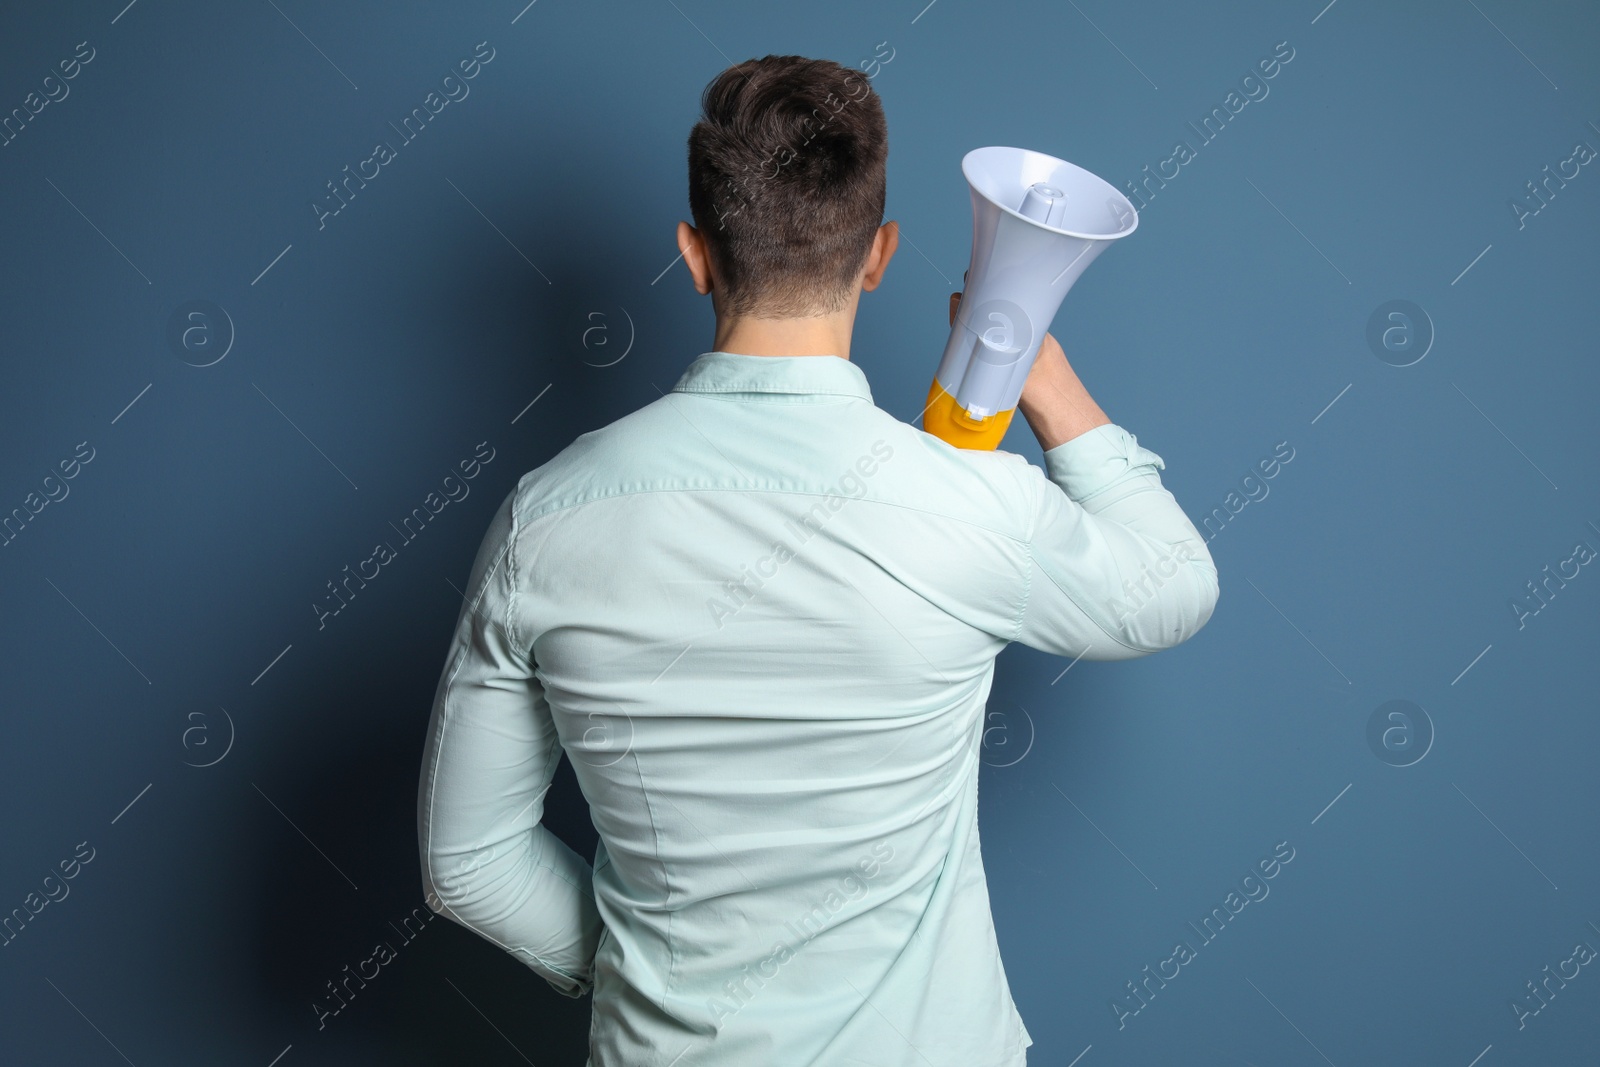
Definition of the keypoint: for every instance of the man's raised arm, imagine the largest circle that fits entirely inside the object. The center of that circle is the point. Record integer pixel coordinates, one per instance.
(1117, 570)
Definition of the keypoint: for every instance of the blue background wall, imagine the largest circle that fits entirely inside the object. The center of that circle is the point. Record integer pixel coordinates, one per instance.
(232, 785)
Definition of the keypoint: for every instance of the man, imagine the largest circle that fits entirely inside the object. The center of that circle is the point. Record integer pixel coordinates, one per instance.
(760, 616)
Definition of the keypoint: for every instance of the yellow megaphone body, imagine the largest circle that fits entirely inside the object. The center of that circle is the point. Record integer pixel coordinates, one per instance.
(1037, 222)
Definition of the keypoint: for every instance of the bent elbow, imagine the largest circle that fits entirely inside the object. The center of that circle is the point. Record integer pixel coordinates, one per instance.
(433, 883)
(461, 884)
(1207, 598)
(1200, 602)
(1177, 611)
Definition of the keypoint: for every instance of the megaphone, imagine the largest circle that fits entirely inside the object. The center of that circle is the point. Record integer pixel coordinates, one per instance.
(1037, 222)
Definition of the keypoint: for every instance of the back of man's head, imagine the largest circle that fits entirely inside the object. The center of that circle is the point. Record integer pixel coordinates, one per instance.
(787, 183)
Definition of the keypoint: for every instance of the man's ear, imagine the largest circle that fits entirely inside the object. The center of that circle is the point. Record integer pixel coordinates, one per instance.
(692, 243)
(884, 243)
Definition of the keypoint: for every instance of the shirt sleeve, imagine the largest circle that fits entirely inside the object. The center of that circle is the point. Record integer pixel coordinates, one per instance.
(491, 751)
(1115, 568)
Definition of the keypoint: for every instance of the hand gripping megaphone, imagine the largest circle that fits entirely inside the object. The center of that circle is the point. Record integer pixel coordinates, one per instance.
(1037, 222)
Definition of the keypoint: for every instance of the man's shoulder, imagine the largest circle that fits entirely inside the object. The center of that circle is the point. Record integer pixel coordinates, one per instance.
(972, 482)
(646, 449)
(608, 455)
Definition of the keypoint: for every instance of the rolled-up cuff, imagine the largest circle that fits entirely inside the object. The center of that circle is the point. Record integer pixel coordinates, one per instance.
(1095, 460)
(563, 982)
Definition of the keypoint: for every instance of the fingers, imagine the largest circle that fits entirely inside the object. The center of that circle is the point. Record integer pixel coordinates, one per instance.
(955, 299)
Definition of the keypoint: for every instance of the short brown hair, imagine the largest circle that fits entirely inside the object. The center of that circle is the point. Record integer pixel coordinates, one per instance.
(787, 182)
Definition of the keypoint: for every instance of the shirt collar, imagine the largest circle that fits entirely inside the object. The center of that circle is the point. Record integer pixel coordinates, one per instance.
(732, 372)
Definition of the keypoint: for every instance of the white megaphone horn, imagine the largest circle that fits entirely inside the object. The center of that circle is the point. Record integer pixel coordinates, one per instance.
(1037, 222)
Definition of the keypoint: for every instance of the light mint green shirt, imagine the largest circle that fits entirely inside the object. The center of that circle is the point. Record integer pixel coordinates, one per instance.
(760, 616)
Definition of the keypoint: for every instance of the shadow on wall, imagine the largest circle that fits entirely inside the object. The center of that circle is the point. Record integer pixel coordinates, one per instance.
(374, 960)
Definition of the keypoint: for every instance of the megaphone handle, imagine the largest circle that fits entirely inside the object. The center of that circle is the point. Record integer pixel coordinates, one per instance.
(947, 420)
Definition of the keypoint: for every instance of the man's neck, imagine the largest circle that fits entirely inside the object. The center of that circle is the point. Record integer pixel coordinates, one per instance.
(821, 335)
